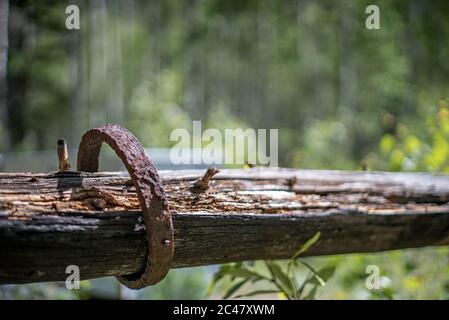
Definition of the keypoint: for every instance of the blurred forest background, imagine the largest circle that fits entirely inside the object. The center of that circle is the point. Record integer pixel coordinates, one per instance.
(342, 97)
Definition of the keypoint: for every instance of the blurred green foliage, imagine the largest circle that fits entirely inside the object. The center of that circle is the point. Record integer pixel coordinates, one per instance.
(308, 68)
(274, 277)
(423, 147)
(405, 274)
(185, 284)
(45, 291)
(182, 284)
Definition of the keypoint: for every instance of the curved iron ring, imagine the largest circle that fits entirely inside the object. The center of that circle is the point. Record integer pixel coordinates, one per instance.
(158, 222)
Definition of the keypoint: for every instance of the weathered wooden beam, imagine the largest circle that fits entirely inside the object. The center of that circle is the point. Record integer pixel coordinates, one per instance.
(50, 221)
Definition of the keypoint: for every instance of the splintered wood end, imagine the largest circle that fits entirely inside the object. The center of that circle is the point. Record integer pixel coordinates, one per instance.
(202, 184)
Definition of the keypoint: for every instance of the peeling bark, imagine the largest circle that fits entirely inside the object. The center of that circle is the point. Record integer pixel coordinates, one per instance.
(50, 221)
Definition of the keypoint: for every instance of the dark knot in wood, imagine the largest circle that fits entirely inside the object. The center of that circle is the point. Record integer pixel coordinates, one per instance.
(151, 194)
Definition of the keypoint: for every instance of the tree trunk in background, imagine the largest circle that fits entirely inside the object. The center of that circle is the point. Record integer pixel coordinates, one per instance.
(190, 96)
(302, 39)
(97, 47)
(194, 64)
(262, 56)
(347, 70)
(4, 10)
(131, 78)
(347, 67)
(114, 95)
(414, 52)
(76, 104)
(21, 31)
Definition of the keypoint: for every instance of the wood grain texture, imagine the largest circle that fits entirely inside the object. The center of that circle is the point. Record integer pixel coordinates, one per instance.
(50, 221)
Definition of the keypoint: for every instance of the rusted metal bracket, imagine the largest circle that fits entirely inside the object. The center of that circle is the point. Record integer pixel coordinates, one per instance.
(157, 217)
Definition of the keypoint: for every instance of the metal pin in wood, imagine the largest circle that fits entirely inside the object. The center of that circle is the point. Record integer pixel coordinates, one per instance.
(63, 156)
(202, 184)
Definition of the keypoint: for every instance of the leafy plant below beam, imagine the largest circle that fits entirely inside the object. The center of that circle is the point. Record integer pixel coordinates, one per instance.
(280, 279)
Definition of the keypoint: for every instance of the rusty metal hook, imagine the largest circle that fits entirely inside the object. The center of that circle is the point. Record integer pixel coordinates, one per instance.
(158, 222)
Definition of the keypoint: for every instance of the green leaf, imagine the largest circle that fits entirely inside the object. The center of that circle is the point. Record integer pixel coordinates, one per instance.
(234, 271)
(258, 279)
(234, 288)
(323, 275)
(311, 294)
(327, 272)
(282, 278)
(217, 277)
(307, 245)
(303, 285)
(316, 276)
(253, 293)
(243, 272)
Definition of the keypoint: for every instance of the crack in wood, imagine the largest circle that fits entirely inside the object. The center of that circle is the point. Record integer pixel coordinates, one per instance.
(48, 221)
